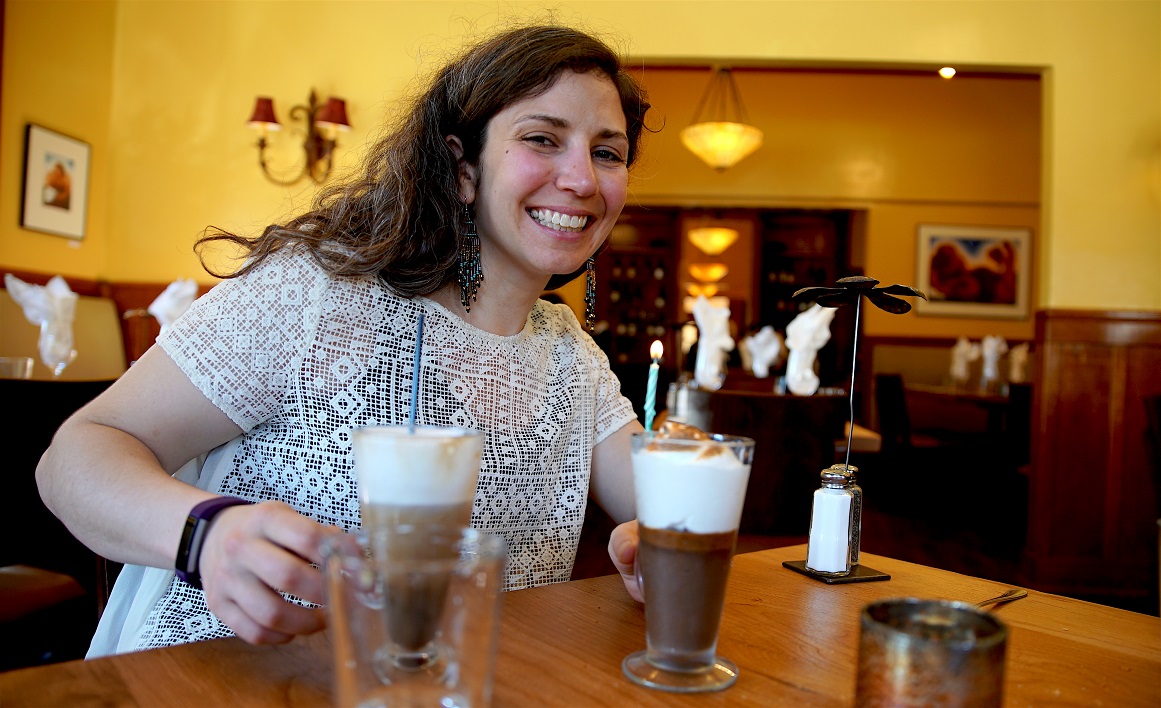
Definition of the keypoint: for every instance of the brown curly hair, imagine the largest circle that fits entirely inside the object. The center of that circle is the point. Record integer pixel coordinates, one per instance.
(402, 218)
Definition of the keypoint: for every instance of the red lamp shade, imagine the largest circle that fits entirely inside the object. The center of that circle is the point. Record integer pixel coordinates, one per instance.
(334, 113)
(263, 115)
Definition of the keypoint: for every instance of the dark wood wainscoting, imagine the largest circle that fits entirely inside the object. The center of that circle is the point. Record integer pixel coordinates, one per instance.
(1093, 485)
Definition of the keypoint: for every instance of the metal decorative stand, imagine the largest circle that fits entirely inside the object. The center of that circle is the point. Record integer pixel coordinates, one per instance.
(847, 291)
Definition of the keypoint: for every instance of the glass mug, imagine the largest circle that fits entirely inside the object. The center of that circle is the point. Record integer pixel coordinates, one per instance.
(689, 505)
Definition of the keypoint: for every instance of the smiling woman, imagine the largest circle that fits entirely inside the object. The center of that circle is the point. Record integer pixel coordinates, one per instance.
(504, 178)
(548, 187)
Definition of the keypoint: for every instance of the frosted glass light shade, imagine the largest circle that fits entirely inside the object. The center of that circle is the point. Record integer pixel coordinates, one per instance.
(708, 272)
(712, 240)
(721, 145)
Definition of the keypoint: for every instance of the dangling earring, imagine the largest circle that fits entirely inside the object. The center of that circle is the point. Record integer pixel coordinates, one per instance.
(590, 293)
(470, 274)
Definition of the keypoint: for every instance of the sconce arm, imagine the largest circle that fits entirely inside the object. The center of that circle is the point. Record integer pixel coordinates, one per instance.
(318, 149)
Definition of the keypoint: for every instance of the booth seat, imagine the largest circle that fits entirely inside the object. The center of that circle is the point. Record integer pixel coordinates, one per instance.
(96, 334)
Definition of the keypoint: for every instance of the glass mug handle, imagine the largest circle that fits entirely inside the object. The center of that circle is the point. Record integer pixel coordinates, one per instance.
(637, 569)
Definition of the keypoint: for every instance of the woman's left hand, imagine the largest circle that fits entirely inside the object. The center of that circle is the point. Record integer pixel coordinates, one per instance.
(623, 552)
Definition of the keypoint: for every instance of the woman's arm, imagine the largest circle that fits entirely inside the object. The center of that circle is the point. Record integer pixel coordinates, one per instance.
(612, 477)
(107, 476)
(612, 488)
(107, 472)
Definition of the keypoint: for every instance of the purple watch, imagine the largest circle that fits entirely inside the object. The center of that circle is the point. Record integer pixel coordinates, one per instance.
(194, 534)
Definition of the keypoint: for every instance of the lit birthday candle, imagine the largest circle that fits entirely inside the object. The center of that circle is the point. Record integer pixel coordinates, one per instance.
(651, 390)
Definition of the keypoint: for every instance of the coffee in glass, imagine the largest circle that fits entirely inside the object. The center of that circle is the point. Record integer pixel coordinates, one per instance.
(412, 480)
(690, 493)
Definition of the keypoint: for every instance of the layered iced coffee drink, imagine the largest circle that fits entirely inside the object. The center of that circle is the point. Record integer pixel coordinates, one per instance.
(425, 476)
(690, 493)
(415, 486)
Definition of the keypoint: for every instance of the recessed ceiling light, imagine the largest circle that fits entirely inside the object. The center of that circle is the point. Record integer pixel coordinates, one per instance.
(947, 72)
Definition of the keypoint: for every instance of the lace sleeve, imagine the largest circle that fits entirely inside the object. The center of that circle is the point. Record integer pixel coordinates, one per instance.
(241, 342)
(613, 410)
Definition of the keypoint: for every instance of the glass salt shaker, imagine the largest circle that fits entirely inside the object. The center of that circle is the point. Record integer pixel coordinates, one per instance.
(828, 550)
(856, 510)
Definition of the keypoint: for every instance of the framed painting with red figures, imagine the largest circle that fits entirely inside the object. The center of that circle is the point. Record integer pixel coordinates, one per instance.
(974, 271)
(56, 183)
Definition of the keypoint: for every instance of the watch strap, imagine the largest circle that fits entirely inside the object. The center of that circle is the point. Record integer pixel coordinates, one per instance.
(197, 524)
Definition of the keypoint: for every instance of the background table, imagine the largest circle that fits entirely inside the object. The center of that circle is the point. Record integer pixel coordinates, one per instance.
(794, 639)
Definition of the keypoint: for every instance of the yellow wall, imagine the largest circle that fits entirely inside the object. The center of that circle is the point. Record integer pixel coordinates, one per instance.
(852, 138)
(57, 73)
(906, 149)
(161, 90)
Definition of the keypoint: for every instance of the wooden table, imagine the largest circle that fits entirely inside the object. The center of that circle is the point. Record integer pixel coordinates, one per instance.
(995, 405)
(794, 639)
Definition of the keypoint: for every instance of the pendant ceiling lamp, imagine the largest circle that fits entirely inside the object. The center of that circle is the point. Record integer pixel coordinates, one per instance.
(708, 272)
(719, 134)
(713, 240)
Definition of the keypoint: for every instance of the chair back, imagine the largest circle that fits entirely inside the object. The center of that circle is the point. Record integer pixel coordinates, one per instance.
(1018, 423)
(891, 407)
(96, 335)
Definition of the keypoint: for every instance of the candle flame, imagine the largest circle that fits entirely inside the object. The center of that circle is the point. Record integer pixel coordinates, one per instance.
(656, 350)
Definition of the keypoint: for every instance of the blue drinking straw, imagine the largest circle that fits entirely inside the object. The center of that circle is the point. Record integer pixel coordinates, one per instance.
(415, 374)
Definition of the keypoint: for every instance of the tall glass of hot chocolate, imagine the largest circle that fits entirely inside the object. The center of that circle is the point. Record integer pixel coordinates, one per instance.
(690, 492)
(414, 485)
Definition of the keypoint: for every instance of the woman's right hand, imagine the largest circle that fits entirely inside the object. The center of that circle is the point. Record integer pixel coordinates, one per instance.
(254, 553)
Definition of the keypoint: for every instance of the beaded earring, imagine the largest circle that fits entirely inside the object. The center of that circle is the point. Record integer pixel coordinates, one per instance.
(590, 293)
(470, 273)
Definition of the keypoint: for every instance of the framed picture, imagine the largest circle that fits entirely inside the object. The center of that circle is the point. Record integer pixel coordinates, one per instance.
(56, 183)
(974, 271)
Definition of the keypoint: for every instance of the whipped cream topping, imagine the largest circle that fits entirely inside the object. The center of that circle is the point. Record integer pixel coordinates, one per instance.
(696, 488)
(429, 466)
(558, 221)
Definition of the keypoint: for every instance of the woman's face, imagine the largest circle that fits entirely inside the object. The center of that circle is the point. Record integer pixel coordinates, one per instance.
(551, 180)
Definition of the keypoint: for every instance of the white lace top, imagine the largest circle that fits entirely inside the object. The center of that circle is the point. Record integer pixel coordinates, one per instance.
(297, 358)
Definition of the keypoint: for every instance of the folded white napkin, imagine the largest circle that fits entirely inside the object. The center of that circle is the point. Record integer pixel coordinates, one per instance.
(713, 343)
(173, 301)
(765, 347)
(962, 354)
(808, 332)
(1018, 363)
(52, 308)
(992, 348)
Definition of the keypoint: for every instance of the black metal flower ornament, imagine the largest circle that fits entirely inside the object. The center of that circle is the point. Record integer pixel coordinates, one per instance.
(848, 291)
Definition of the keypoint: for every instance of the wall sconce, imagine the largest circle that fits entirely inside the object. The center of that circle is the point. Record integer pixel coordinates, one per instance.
(323, 122)
(722, 138)
(712, 240)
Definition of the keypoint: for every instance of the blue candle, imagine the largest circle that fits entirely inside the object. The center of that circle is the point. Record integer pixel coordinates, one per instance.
(651, 390)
